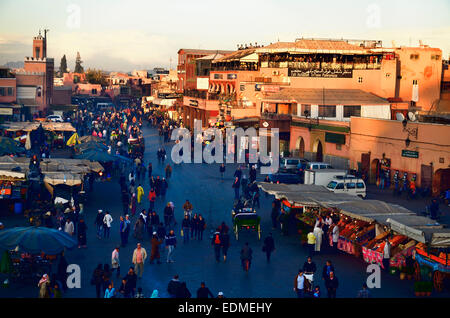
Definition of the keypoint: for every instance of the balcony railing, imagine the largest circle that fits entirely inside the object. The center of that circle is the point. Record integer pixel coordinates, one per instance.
(276, 116)
(321, 65)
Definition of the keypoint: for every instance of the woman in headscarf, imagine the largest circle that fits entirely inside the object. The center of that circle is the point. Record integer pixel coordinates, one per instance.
(44, 285)
(155, 294)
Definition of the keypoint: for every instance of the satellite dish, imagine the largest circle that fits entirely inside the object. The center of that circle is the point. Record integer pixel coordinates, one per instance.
(399, 117)
(411, 116)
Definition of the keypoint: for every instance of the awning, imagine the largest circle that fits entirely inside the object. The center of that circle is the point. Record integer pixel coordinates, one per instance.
(164, 102)
(12, 174)
(62, 178)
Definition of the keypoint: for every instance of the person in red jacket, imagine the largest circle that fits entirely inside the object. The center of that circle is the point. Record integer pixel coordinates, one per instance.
(152, 199)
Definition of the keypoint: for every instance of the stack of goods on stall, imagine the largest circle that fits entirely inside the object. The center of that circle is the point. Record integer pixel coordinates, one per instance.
(401, 253)
(374, 253)
(308, 217)
(352, 233)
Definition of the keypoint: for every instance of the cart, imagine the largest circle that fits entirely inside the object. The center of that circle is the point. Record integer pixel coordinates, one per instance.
(433, 260)
(246, 219)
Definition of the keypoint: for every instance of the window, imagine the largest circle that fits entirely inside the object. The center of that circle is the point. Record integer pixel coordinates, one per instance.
(323, 166)
(351, 185)
(360, 185)
(242, 87)
(332, 185)
(94, 91)
(360, 79)
(340, 186)
(327, 111)
(414, 56)
(352, 111)
(388, 75)
(435, 57)
(2, 91)
(10, 91)
(306, 107)
(414, 82)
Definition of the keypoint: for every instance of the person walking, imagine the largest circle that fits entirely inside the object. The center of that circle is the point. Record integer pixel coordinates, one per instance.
(115, 261)
(327, 269)
(139, 257)
(236, 185)
(311, 243)
(186, 228)
(140, 193)
(81, 231)
(204, 292)
(269, 246)
(97, 279)
(128, 228)
(194, 226)
(364, 292)
(153, 223)
(300, 284)
(225, 243)
(155, 248)
(44, 286)
(252, 174)
(99, 223)
(171, 243)
(335, 237)
(318, 233)
(164, 186)
(386, 254)
(222, 171)
(309, 269)
(332, 284)
(173, 286)
(152, 199)
(216, 243)
(201, 227)
(139, 228)
(167, 215)
(122, 229)
(107, 220)
(246, 257)
(168, 171)
(131, 279)
(69, 228)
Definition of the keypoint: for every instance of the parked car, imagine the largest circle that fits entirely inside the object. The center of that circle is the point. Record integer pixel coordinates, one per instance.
(318, 165)
(349, 185)
(289, 178)
(55, 118)
(291, 164)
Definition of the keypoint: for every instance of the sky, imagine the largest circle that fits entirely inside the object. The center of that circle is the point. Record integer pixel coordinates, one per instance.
(117, 35)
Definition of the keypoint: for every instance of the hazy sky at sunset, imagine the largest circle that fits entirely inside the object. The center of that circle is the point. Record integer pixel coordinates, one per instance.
(127, 35)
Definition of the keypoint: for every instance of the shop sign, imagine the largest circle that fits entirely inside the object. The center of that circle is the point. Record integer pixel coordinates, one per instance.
(231, 76)
(410, 154)
(321, 73)
(270, 88)
(193, 102)
(6, 111)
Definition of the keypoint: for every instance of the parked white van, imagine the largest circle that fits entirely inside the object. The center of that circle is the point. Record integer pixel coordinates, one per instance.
(349, 185)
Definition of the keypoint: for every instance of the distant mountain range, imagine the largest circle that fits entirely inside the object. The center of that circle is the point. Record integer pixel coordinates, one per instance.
(18, 64)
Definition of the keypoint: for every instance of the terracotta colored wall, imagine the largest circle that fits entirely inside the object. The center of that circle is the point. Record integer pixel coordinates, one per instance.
(384, 136)
(8, 82)
(428, 72)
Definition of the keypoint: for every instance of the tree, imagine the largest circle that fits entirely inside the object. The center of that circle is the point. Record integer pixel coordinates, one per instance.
(94, 76)
(63, 65)
(78, 67)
